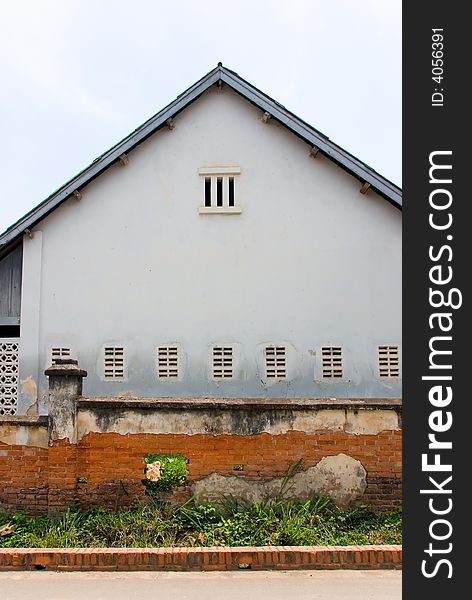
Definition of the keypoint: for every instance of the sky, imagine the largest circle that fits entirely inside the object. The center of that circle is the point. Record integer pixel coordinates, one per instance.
(79, 75)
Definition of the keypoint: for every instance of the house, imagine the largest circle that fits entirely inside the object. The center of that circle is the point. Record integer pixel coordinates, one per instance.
(224, 250)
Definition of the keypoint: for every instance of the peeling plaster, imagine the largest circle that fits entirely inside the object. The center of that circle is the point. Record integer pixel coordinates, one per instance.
(29, 388)
(341, 478)
(17, 435)
(370, 422)
(238, 422)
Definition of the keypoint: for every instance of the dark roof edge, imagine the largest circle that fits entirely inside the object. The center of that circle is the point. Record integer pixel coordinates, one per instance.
(302, 129)
(353, 165)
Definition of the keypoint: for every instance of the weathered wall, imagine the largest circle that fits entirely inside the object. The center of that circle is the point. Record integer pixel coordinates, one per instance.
(191, 416)
(24, 467)
(309, 262)
(350, 453)
(26, 431)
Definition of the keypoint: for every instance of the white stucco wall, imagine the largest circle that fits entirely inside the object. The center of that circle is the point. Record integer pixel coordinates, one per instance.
(309, 262)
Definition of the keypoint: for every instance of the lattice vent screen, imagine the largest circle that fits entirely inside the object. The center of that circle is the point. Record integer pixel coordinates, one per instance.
(59, 353)
(114, 362)
(332, 362)
(168, 362)
(275, 362)
(388, 361)
(9, 376)
(222, 362)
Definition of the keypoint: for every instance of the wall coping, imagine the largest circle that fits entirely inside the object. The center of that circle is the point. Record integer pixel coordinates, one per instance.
(120, 402)
(217, 558)
(24, 421)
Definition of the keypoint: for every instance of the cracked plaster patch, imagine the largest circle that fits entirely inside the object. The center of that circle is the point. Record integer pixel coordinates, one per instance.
(341, 478)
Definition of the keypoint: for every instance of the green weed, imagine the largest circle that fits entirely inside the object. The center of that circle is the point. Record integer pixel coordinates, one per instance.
(315, 521)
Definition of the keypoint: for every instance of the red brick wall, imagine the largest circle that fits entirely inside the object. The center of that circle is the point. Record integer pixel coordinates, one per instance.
(36, 479)
(23, 478)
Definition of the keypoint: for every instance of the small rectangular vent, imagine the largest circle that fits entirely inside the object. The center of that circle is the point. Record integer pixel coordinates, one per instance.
(168, 362)
(59, 353)
(114, 362)
(388, 362)
(275, 362)
(219, 194)
(222, 362)
(332, 362)
(8, 377)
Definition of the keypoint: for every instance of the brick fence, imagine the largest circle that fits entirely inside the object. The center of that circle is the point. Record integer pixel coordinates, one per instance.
(91, 450)
(106, 469)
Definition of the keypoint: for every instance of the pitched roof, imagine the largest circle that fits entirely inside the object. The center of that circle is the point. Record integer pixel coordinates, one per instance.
(312, 136)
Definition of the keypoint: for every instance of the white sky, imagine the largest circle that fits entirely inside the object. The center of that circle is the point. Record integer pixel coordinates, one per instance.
(76, 76)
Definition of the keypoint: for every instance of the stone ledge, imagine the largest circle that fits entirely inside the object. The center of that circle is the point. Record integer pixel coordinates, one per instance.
(19, 420)
(202, 559)
(242, 403)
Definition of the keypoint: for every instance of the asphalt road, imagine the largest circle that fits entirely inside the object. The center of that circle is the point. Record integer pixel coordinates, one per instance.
(260, 585)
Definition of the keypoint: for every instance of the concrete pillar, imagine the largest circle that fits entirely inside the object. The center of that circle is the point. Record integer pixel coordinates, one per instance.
(65, 384)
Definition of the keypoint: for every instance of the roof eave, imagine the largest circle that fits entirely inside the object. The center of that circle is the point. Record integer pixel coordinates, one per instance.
(108, 158)
(365, 174)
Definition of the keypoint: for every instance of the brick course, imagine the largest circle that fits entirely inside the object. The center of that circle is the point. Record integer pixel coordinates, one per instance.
(202, 559)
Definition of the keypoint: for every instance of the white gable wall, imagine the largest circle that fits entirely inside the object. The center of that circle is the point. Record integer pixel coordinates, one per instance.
(309, 262)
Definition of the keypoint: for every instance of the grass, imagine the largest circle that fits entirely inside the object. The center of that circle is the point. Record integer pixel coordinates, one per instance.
(315, 521)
